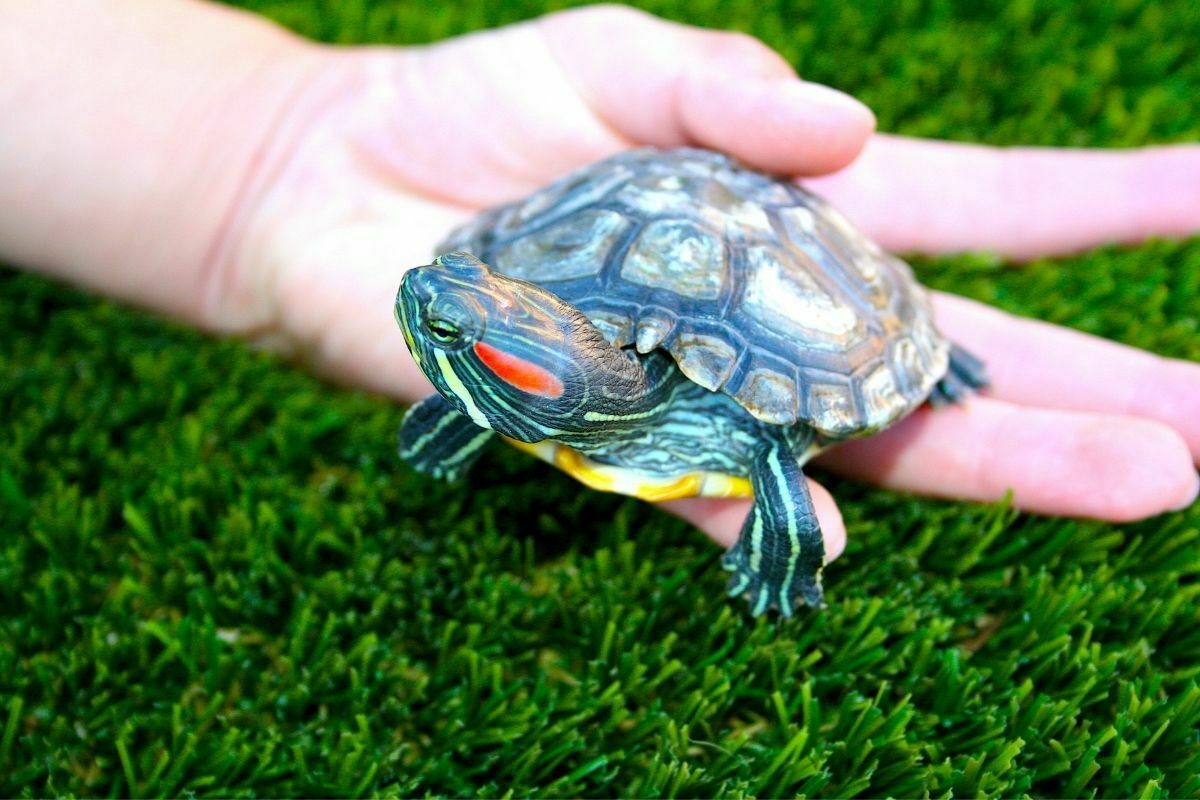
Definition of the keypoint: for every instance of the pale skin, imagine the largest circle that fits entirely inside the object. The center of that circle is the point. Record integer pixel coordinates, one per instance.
(257, 185)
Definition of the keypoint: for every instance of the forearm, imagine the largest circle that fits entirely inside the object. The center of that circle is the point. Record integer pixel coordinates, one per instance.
(132, 131)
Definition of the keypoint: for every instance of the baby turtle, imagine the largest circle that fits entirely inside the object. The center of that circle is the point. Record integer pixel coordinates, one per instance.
(671, 324)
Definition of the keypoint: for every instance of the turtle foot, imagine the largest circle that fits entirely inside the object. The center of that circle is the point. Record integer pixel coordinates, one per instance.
(766, 595)
(965, 375)
(436, 440)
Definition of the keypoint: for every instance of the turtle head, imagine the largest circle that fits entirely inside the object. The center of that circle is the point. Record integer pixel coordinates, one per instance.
(510, 355)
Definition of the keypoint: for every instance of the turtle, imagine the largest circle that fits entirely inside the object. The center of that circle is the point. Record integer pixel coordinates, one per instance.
(670, 323)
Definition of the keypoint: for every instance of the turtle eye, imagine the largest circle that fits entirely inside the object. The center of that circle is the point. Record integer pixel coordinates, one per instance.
(443, 331)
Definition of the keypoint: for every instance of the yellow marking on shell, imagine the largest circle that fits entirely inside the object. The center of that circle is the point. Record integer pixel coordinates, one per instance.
(621, 480)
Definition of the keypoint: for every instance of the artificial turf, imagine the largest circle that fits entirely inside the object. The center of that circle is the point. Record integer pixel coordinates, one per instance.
(217, 579)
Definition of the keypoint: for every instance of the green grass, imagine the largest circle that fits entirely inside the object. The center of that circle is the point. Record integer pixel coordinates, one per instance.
(216, 578)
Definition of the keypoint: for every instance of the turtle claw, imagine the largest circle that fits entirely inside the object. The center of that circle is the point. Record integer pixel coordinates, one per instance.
(965, 375)
(764, 595)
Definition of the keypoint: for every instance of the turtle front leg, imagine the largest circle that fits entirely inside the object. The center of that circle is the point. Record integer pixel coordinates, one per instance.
(438, 440)
(779, 555)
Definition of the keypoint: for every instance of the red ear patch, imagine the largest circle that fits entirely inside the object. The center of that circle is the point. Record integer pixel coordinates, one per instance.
(515, 371)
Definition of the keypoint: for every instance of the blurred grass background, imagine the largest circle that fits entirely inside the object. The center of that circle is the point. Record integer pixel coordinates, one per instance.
(216, 578)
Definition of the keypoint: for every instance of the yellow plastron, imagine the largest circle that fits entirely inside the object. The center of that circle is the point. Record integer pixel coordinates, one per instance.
(608, 478)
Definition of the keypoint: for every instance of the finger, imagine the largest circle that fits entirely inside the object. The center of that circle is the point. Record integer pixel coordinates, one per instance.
(1035, 363)
(922, 195)
(666, 84)
(722, 520)
(1054, 462)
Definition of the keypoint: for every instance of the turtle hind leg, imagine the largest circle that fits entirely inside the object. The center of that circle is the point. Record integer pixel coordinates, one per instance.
(777, 560)
(438, 440)
(965, 375)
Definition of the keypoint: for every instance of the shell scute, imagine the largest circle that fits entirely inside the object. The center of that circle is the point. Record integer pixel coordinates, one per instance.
(653, 327)
(794, 303)
(836, 406)
(572, 247)
(679, 256)
(706, 359)
(771, 395)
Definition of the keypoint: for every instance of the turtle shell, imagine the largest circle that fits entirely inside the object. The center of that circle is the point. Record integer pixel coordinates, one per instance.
(756, 287)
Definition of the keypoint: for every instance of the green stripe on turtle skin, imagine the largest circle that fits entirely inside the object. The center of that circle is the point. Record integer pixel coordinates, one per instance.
(440, 441)
(778, 557)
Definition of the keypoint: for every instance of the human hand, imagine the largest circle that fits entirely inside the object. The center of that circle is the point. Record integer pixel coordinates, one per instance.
(411, 142)
(262, 186)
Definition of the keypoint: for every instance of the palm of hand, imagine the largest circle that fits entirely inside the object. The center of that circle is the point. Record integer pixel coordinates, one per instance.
(396, 147)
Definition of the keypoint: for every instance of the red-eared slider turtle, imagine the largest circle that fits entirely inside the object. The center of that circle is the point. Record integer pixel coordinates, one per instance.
(669, 324)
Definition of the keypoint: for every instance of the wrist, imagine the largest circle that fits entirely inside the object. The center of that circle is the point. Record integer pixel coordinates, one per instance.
(133, 133)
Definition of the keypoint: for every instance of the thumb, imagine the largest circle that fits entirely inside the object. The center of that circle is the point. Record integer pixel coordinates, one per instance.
(661, 83)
